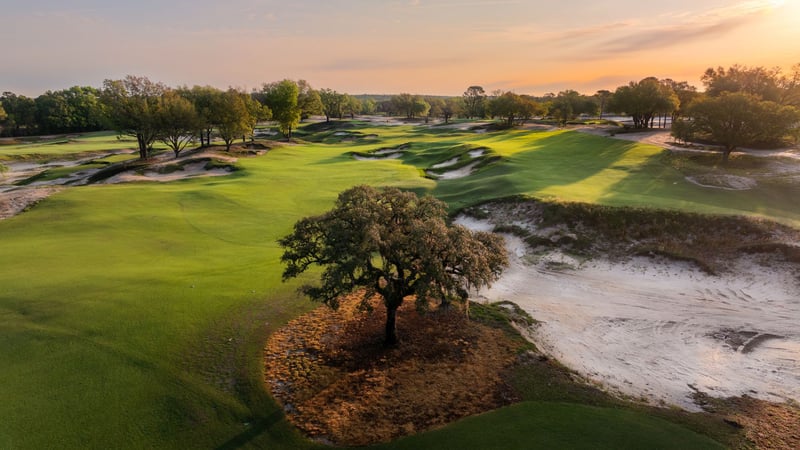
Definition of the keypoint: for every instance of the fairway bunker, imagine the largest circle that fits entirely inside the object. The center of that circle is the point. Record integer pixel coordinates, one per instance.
(723, 181)
(658, 329)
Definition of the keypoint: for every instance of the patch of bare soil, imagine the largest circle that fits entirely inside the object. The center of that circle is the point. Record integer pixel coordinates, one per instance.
(768, 425)
(15, 201)
(338, 384)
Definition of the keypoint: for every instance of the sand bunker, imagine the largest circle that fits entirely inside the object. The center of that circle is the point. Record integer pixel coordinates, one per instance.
(448, 163)
(458, 173)
(15, 201)
(659, 329)
(375, 158)
(722, 181)
(191, 170)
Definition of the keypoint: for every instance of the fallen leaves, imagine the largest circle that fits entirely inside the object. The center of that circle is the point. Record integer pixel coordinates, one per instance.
(339, 384)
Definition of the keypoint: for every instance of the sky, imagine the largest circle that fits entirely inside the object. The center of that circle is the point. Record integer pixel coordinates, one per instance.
(436, 47)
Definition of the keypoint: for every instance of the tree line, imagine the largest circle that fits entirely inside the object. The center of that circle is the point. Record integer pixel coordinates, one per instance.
(739, 106)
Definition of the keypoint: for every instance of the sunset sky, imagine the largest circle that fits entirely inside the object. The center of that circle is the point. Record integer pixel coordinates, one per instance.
(374, 46)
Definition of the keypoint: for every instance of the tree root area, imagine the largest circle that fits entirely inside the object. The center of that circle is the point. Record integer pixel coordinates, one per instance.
(339, 385)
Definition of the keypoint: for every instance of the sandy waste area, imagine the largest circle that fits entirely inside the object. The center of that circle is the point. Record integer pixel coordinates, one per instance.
(658, 330)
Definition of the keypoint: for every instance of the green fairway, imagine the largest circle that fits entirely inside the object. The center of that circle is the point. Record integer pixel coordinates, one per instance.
(133, 316)
(535, 425)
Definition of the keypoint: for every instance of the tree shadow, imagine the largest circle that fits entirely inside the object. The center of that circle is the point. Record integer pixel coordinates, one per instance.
(561, 159)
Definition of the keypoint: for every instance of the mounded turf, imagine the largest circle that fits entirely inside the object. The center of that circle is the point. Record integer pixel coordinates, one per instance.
(133, 316)
(542, 425)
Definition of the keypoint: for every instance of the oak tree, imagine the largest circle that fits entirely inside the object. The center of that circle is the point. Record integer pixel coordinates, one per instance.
(177, 121)
(132, 107)
(281, 98)
(474, 102)
(392, 243)
(737, 119)
(643, 100)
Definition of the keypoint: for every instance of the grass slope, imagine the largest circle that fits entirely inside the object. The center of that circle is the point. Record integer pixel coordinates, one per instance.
(133, 316)
(544, 425)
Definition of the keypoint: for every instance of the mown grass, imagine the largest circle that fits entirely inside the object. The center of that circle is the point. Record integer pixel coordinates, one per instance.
(68, 146)
(133, 316)
(550, 425)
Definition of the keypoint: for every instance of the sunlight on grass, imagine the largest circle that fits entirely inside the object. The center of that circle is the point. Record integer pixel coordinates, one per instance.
(134, 315)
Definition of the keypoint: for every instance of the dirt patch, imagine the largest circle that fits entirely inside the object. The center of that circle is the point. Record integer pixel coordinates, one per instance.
(339, 385)
(768, 425)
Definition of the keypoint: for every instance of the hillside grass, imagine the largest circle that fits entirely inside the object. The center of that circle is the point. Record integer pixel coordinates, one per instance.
(134, 316)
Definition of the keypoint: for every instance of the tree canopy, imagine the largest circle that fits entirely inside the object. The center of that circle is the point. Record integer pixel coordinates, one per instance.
(643, 100)
(282, 100)
(177, 121)
(410, 105)
(569, 104)
(392, 243)
(132, 107)
(737, 119)
(474, 102)
(513, 107)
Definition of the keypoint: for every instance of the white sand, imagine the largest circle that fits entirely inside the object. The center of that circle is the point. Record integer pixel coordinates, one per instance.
(652, 328)
(377, 158)
(191, 170)
(723, 181)
(458, 173)
(448, 163)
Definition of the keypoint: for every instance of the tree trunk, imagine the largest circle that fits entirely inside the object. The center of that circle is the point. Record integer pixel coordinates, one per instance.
(391, 327)
(726, 152)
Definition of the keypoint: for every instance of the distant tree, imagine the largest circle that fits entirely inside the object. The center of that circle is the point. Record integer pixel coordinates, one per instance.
(308, 100)
(177, 121)
(683, 130)
(643, 100)
(204, 99)
(686, 94)
(569, 104)
(737, 119)
(392, 243)
(232, 117)
(132, 105)
(512, 107)
(757, 81)
(436, 107)
(258, 112)
(352, 106)
(790, 86)
(76, 109)
(452, 107)
(474, 102)
(20, 114)
(3, 114)
(332, 104)
(369, 106)
(602, 98)
(410, 105)
(281, 98)
(52, 113)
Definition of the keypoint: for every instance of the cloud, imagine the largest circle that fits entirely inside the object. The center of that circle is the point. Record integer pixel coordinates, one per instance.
(636, 34)
(708, 24)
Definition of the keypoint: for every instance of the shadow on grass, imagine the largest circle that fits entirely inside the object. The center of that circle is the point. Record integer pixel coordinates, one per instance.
(561, 159)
